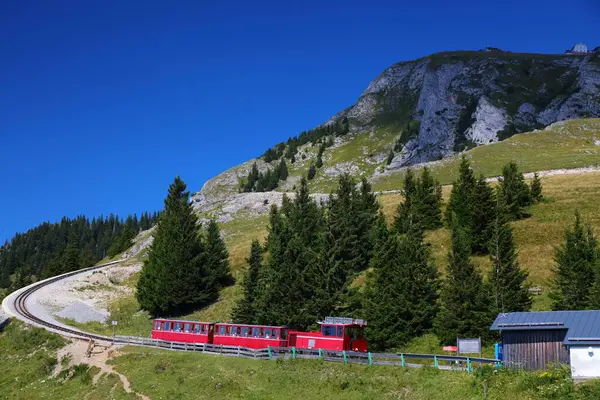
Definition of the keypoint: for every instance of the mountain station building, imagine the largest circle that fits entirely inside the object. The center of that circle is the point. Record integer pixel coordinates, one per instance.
(532, 340)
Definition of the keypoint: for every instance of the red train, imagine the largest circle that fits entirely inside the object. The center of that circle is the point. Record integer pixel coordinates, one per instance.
(335, 334)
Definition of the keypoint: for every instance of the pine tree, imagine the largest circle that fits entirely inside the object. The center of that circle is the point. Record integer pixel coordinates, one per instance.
(536, 188)
(483, 216)
(71, 260)
(460, 205)
(22, 279)
(175, 277)
(245, 309)
(283, 171)
(406, 214)
(4, 279)
(312, 171)
(217, 256)
(464, 304)
(400, 297)
(389, 158)
(576, 261)
(513, 191)
(508, 282)
(429, 203)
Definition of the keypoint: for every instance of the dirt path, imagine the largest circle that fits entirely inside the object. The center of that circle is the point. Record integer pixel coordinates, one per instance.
(82, 352)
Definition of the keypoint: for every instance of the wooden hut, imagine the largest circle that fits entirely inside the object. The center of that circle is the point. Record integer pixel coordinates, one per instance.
(532, 340)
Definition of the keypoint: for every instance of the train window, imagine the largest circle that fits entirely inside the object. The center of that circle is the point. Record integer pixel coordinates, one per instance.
(178, 327)
(328, 330)
(157, 325)
(340, 330)
(245, 331)
(284, 334)
(202, 329)
(222, 330)
(275, 333)
(167, 326)
(197, 328)
(188, 327)
(268, 333)
(255, 332)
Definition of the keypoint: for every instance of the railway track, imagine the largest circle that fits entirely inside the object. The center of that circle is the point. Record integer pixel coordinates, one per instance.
(16, 304)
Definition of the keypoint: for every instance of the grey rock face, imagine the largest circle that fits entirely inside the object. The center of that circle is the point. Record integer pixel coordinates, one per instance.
(464, 96)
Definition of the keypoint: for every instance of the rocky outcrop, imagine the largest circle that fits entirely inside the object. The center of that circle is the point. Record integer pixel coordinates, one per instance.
(463, 99)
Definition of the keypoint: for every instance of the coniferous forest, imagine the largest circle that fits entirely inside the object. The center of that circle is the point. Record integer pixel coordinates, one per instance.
(54, 248)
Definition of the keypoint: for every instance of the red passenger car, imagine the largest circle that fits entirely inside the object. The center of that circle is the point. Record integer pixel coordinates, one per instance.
(252, 336)
(183, 331)
(335, 334)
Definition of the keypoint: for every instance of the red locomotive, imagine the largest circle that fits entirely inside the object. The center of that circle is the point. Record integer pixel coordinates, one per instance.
(335, 334)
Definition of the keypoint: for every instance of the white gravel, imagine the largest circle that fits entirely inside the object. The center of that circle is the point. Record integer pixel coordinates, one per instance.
(81, 312)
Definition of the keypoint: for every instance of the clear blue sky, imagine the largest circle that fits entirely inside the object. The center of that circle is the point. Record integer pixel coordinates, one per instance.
(102, 103)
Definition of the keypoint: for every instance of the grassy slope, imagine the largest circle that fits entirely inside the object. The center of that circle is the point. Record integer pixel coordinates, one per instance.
(28, 358)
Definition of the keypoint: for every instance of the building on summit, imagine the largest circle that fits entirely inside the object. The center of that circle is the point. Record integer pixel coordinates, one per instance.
(579, 48)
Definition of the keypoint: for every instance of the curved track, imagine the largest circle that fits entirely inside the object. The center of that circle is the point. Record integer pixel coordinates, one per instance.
(19, 309)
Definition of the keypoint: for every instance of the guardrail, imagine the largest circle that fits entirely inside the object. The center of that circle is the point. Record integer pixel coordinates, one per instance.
(444, 362)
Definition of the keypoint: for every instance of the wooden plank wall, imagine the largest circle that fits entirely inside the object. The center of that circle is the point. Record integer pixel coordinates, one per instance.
(534, 349)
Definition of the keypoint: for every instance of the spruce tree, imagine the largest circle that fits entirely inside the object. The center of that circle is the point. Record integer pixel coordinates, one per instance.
(429, 204)
(406, 214)
(513, 191)
(22, 279)
(217, 256)
(464, 303)
(4, 279)
(507, 282)
(483, 216)
(175, 277)
(576, 262)
(312, 171)
(283, 171)
(536, 188)
(460, 204)
(71, 260)
(390, 157)
(245, 310)
(400, 297)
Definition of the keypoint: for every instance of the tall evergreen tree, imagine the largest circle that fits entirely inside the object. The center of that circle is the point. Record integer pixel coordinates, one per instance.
(429, 205)
(464, 304)
(406, 215)
(576, 261)
(513, 191)
(283, 170)
(175, 277)
(312, 171)
(460, 205)
(483, 216)
(245, 309)
(71, 260)
(400, 298)
(217, 256)
(508, 282)
(4, 279)
(536, 188)
(22, 279)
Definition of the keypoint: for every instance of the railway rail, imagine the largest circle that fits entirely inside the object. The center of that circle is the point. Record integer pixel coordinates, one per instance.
(16, 305)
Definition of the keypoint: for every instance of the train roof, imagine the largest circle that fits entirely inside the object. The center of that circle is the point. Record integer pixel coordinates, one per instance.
(221, 323)
(342, 321)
